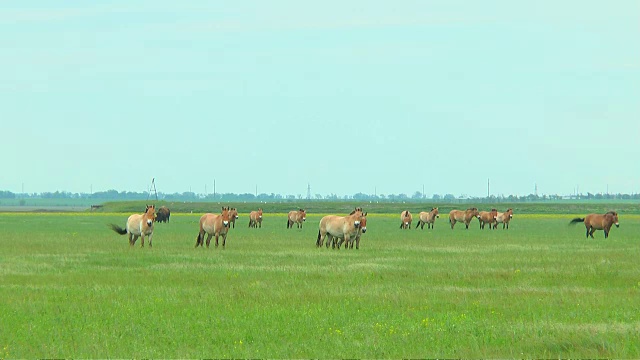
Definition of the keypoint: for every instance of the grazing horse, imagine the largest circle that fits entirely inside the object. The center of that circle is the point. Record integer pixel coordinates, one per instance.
(339, 227)
(503, 218)
(595, 222)
(214, 224)
(428, 218)
(255, 218)
(163, 214)
(487, 217)
(462, 216)
(138, 226)
(405, 218)
(233, 215)
(296, 217)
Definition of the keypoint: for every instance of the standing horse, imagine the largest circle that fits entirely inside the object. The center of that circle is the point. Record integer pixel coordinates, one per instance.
(233, 215)
(595, 222)
(255, 218)
(503, 218)
(428, 218)
(362, 229)
(214, 224)
(296, 217)
(339, 227)
(487, 217)
(405, 218)
(138, 226)
(462, 216)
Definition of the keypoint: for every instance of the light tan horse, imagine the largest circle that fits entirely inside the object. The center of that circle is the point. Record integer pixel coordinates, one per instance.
(406, 218)
(255, 218)
(138, 225)
(428, 218)
(362, 229)
(503, 218)
(339, 227)
(233, 215)
(487, 217)
(462, 216)
(296, 217)
(595, 222)
(214, 224)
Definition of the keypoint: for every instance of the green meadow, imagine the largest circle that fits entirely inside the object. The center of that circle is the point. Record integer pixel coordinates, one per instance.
(72, 288)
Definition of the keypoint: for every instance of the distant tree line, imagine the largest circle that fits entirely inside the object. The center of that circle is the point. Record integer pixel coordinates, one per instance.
(416, 197)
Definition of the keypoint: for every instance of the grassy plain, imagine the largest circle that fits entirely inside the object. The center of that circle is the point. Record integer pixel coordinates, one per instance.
(70, 287)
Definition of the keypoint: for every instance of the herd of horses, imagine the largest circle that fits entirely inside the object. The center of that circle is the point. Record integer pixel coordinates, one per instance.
(335, 229)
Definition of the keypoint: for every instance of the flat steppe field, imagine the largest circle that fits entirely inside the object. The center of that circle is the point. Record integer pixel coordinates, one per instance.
(72, 288)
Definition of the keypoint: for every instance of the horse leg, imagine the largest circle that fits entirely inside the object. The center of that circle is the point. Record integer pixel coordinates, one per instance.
(130, 239)
(142, 240)
(217, 235)
(150, 238)
(466, 225)
(224, 240)
(209, 236)
(591, 232)
(357, 242)
(453, 222)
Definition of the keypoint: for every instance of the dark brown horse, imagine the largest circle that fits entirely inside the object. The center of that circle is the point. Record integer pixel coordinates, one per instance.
(595, 222)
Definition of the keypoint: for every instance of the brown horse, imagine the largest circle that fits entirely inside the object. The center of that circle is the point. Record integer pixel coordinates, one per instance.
(487, 217)
(361, 230)
(163, 214)
(503, 218)
(214, 224)
(138, 226)
(428, 218)
(339, 227)
(233, 215)
(406, 218)
(255, 218)
(296, 217)
(462, 216)
(595, 222)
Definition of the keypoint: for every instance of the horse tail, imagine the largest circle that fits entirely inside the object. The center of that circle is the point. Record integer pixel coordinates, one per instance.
(118, 229)
(318, 241)
(576, 220)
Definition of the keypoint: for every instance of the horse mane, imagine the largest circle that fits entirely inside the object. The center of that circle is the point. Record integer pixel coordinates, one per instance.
(611, 213)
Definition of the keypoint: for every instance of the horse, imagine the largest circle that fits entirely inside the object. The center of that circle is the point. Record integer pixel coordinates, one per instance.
(214, 224)
(163, 214)
(233, 215)
(255, 218)
(138, 226)
(296, 217)
(503, 218)
(405, 218)
(462, 216)
(339, 227)
(362, 229)
(428, 218)
(487, 217)
(595, 222)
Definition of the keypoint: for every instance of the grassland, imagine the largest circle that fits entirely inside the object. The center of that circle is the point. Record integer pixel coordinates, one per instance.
(70, 287)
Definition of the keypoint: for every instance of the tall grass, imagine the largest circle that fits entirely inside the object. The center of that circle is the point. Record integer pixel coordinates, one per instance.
(71, 287)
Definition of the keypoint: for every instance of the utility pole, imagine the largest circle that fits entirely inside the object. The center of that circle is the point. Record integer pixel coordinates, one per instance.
(423, 191)
(488, 188)
(256, 190)
(214, 188)
(308, 191)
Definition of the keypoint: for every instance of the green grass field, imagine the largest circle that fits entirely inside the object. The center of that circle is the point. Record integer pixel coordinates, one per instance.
(70, 287)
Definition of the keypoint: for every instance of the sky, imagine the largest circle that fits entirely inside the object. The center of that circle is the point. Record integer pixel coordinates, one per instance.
(342, 96)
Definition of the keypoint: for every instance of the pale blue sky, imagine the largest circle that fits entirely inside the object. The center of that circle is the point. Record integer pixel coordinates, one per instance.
(349, 96)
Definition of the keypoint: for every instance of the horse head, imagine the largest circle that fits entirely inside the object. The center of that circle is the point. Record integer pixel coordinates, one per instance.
(302, 213)
(225, 216)
(151, 215)
(363, 222)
